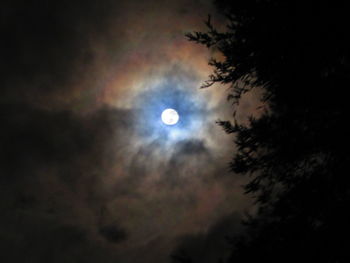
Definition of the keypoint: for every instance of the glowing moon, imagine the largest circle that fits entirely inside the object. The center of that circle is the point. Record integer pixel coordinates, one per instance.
(170, 116)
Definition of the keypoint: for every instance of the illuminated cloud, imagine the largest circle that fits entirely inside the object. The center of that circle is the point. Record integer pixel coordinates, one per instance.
(90, 170)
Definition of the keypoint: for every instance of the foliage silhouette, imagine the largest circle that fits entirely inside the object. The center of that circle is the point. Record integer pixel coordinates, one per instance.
(297, 152)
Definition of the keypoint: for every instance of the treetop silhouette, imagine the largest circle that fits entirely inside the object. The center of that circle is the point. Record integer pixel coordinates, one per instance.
(297, 152)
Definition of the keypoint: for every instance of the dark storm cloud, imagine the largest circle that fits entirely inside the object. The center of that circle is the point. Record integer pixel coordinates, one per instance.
(191, 147)
(113, 233)
(51, 169)
(212, 246)
(172, 163)
(46, 44)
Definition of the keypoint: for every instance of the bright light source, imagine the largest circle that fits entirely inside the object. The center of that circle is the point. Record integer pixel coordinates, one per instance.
(170, 116)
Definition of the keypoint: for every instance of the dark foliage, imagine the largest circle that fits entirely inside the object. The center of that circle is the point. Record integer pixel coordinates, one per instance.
(297, 152)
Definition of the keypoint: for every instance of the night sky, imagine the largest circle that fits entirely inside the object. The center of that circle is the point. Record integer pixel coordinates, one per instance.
(89, 173)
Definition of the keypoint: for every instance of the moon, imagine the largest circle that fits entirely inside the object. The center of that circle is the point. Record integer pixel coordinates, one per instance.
(170, 117)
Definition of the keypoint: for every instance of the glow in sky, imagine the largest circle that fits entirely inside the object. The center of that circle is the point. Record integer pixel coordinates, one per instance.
(170, 117)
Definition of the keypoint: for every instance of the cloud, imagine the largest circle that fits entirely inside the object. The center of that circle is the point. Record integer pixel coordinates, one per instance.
(211, 246)
(49, 46)
(52, 164)
(88, 171)
(113, 233)
(189, 147)
(94, 174)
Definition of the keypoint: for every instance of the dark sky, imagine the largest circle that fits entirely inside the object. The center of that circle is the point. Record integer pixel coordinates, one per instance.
(88, 171)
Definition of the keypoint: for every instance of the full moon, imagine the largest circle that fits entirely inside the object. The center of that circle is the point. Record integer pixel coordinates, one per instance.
(170, 116)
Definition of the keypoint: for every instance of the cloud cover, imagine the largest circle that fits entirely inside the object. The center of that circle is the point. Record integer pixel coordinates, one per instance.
(88, 171)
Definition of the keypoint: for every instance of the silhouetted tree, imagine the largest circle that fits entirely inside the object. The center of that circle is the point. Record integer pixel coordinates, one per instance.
(297, 152)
